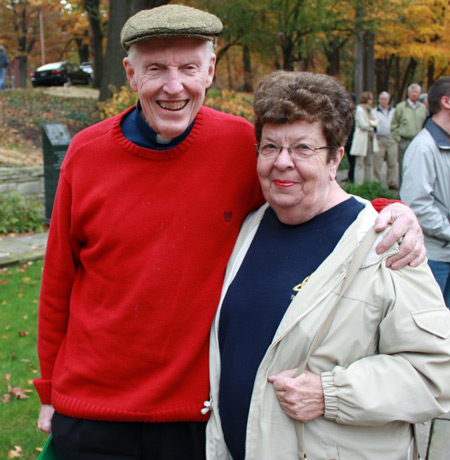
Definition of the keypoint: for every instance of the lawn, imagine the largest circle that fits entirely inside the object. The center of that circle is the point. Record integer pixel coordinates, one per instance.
(19, 406)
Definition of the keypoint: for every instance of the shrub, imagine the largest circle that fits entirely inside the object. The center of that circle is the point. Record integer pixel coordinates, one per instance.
(370, 191)
(20, 214)
(121, 100)
(229, 101)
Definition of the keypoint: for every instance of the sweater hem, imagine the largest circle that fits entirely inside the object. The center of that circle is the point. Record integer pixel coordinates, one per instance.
(73, 407)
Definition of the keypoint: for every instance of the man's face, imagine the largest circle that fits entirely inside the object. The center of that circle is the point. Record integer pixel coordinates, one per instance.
(384, 101)
(414, 94)
(171, 76)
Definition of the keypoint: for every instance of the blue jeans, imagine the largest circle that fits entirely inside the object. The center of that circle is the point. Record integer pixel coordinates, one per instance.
(2, 77)
(441, 271)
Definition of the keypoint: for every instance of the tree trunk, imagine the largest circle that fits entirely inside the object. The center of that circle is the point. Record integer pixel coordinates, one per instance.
(93, 11)
(359, 51)
(430, 72)
(138, 5)
(248, 73)
(370, 62)
(113, 70)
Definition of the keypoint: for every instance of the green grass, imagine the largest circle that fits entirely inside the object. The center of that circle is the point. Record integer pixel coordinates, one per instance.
(19, 293)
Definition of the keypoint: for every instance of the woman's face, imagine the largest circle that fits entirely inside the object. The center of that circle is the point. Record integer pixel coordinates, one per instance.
(297, 189)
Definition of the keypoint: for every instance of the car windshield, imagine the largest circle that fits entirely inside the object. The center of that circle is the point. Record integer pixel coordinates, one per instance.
(52, 66)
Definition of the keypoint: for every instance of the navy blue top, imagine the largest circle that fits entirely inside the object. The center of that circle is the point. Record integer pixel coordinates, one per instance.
(278, 260)
(137, 130)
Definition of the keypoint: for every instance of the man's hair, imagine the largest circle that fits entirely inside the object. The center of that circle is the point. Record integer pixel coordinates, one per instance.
(437, 90)
(384, 93)
(285, 97)
(365, 96)
(414, 86)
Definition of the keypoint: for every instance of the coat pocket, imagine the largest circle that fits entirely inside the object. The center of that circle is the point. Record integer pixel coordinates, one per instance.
(435, 321)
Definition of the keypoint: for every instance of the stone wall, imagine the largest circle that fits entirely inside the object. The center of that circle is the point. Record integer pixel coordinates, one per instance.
(27, 181)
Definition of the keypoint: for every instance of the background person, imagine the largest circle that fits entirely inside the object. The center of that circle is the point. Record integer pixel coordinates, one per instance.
(387, 147)
(364, 142)
(426, 182)
(148, 208)
(391, 330)
(408, 120)
(3, 66)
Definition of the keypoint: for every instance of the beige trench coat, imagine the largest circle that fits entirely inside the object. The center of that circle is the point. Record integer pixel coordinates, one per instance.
(364, 124)
(384, 364)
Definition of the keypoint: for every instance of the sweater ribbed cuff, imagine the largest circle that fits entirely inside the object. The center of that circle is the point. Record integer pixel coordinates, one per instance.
(44, 389)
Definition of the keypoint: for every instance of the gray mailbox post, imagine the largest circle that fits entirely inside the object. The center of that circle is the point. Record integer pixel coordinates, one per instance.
(55, 141)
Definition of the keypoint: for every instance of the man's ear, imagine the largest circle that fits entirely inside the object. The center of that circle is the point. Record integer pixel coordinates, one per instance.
(130, 73)
(211, 70)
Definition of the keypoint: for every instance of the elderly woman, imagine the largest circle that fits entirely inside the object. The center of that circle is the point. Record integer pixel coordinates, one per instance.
(372, 359)
(364, 139)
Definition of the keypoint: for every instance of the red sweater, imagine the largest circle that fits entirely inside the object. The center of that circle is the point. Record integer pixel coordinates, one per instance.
(137, 250)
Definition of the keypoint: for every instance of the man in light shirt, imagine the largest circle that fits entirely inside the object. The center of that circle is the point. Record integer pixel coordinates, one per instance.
(387, 145)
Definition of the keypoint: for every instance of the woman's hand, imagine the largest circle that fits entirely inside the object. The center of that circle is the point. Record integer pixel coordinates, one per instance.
(302, 397)
(45, 418)
(404, 224)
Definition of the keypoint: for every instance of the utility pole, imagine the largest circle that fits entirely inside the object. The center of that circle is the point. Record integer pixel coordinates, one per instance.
(41, 27)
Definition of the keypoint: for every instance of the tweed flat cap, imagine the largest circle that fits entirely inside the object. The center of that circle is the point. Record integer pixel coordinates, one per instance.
(170, 21)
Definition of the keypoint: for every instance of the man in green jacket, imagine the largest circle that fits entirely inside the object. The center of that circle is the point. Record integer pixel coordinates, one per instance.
(408, 120)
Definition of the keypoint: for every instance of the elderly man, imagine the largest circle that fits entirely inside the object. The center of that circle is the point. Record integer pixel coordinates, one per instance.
(387, 147)
(408, 120)
(426, 182)
(148, 208)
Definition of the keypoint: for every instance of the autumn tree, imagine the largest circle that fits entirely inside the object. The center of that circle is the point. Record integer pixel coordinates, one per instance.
(21, 18)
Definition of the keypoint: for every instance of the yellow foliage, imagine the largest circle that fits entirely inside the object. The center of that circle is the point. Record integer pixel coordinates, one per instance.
(120, 101)
(229, 101)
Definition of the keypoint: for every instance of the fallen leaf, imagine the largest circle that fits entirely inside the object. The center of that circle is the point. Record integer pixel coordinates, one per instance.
(5, 398)
(20, 294)
(7, 377)
(23, 333)
(4, 336)
(3, 282)
(18, 392)
(17, 452)
(26, 279)
(39, 449)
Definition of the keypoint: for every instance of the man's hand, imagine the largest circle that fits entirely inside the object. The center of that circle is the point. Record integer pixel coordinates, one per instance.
(45, 418)
(404, 224)
(302, 397)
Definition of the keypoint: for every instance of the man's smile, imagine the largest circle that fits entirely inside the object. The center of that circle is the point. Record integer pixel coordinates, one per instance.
(174, 106)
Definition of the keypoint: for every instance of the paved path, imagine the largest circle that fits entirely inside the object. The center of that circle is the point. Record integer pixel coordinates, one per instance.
(19, 249)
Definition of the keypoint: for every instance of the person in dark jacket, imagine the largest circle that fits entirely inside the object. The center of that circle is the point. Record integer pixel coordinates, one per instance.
(3, 66)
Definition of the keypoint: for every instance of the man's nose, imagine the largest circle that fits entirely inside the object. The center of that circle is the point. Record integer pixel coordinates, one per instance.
(173, 83)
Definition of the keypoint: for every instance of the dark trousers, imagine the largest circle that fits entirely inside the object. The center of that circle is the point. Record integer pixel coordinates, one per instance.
(79, 439)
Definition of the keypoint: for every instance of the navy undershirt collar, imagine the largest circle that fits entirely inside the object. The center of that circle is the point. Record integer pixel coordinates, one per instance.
(440, 136)
(139, 132)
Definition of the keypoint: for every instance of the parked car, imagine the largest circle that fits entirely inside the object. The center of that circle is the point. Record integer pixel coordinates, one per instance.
(59, 73)
(87, 67)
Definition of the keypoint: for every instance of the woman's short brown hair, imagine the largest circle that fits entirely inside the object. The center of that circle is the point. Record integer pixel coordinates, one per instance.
(284, 97)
